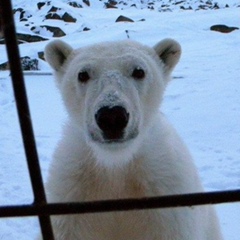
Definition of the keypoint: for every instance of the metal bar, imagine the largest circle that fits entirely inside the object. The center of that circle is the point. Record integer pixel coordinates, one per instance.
(40, 207)
(185, 200)
(24, 114)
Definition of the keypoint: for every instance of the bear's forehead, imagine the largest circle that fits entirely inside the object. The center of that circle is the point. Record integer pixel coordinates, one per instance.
(112, 50)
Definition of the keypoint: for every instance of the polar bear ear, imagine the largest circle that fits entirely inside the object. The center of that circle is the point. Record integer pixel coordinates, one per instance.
(169, 51)
(56, 53)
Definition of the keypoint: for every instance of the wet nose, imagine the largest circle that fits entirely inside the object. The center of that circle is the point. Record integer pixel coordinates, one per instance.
(112, 121)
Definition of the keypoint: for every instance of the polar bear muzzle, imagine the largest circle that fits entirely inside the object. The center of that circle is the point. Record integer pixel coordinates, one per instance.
(112, 121)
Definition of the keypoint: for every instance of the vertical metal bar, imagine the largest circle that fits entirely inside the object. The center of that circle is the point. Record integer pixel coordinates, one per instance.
(8, 27)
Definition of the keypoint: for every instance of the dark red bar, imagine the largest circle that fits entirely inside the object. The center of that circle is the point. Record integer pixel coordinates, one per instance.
(8, 27)
(185, 200)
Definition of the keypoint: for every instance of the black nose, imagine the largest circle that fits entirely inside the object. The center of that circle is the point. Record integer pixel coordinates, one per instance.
(112, 121)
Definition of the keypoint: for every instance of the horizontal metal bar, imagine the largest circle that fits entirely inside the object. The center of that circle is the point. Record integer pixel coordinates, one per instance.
(185, 200)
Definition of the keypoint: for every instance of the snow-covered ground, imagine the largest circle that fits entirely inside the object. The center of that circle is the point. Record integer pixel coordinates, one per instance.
(202, 102)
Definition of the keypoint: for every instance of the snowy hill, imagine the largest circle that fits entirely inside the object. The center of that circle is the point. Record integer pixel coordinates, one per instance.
(45, 20)
(202, 101)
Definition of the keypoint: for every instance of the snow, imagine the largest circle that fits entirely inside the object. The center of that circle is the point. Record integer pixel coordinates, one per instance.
(202, 101)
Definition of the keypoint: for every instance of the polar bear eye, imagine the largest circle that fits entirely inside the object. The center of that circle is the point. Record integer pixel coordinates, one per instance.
(83, 76)
(138, 73)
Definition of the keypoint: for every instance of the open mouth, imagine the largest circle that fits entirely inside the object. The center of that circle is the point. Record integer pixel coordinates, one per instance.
(113, 136)
(109, 138)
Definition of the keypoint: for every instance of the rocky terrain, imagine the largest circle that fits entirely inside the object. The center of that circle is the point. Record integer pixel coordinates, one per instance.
(44, 20)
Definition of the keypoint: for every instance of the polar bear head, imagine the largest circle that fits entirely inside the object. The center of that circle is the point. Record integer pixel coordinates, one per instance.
(113, 90)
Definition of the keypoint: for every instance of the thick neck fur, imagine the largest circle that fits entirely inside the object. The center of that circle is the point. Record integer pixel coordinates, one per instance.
(96, 181)
(101, 182)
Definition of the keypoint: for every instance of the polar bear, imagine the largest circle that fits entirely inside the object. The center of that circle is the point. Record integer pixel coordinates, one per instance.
(117, 144)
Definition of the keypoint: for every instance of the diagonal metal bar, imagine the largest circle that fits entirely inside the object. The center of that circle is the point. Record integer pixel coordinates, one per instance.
(185, 200)
(9, 32)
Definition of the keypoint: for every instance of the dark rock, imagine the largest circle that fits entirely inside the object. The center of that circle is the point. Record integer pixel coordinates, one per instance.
(57, 32)
(23, 20)
(41, 55)
(29, 64)
(179, 2)
(18, 10)
(54, 9)
(202, 7)
(68, 18)
(4, 66)
(75, 4)
(25, 15)
(208, 2)
(151, 7)
(87, 2)
(19, 41)
(223, 28)
(216, 6)
(41, 4)
(86, 29)
(123, 19)
(22, 38)
(26, 62)
(186, 8)
(165, 8)
(53, 16)
(108, 5)
(111, 4)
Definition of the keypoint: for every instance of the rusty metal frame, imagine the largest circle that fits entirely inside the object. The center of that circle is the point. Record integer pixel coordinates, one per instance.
(40, 207)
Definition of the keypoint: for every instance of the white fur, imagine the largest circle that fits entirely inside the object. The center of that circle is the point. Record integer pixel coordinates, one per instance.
(150, 160)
